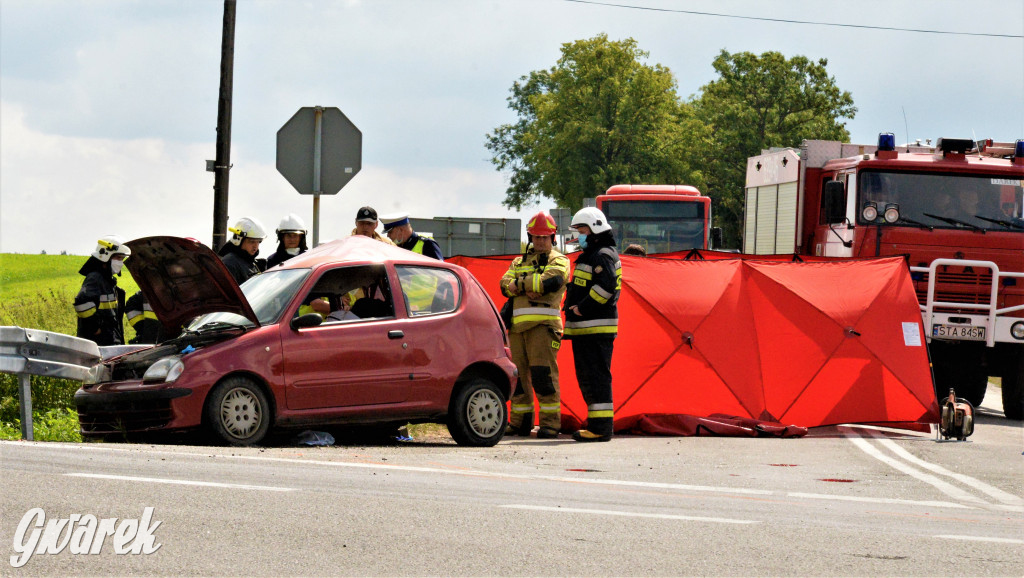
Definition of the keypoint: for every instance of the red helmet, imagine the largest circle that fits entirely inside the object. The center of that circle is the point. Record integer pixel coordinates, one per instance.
(541, 224)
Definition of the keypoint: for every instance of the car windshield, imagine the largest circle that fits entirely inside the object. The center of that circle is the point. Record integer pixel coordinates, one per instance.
(267, 294)
(657, 226)
(977, 202)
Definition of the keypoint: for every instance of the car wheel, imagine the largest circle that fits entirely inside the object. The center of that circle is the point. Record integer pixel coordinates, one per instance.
(1013, 388)
(238, 412)
(477, 414)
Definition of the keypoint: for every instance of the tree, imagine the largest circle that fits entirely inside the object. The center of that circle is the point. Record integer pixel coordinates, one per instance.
(599, 117)
(760, 102)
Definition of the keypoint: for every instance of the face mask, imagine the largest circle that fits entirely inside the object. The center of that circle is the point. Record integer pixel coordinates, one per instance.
(115, 266)
(294, 251)
(583, 241)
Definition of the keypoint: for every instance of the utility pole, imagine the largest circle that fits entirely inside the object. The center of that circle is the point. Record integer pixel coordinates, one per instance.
(222, 164)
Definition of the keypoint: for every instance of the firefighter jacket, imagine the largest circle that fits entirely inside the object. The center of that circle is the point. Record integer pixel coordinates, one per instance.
(100, 305)
(423, 246)
(240, 264)
(594, 290)
(142, 319)
(542, 273)
(281, 255)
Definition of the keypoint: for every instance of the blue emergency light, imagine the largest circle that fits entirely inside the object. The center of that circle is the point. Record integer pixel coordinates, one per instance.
(1018, 148)
(886, 141)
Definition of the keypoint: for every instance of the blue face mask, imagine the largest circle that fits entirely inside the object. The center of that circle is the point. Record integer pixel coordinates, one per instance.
(583, 241)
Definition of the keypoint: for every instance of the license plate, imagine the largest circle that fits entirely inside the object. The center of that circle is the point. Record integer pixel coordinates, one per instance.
(969, 332)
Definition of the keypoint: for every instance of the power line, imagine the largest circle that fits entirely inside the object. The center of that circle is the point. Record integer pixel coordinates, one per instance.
(787, 21)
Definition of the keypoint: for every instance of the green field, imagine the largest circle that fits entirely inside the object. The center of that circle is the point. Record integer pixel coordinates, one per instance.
(36, 292)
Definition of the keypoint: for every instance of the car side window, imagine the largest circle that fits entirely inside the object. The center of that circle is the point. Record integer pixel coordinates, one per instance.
(429, 291)
(348, 294)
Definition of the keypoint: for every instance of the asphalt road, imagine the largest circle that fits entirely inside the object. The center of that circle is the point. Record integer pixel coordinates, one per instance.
(841, 501)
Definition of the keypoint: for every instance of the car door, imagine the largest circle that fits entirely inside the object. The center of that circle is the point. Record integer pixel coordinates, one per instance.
(349, 362)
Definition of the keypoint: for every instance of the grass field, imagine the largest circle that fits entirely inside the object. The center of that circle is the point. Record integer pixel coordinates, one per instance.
(36, 292)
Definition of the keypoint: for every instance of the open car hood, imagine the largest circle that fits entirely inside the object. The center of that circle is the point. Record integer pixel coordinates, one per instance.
(182, 279)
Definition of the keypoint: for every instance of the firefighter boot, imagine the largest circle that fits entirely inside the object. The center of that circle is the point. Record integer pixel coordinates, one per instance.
(588, 436)
(547, 433)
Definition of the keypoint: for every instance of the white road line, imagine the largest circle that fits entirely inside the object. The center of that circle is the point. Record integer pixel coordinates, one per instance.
(1004, 497)
(925, 503)
(627, 514)
(941, 485)
(981, 539)
(181, 482)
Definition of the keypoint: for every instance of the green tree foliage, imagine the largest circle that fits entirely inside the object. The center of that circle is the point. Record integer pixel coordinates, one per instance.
(599, 117)
(759, 102)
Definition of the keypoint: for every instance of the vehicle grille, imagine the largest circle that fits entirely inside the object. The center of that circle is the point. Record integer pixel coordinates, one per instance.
(957, 287)
(138, 417)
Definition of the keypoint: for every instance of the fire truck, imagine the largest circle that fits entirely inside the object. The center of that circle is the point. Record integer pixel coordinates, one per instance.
(659, 218)
(954, 211)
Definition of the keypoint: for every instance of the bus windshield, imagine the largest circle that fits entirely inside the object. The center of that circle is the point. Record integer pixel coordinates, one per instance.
(661, 226)
(977, 202)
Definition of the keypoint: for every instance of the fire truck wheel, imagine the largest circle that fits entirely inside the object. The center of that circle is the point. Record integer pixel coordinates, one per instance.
(1013, 389)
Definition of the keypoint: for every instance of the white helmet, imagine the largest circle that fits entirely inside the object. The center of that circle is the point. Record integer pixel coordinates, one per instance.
(110, 245)
(291, 223)
(246, 228)
(591, 217)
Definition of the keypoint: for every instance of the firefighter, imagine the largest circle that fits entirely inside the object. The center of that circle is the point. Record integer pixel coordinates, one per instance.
(536, 283)
(591, 320)
(399, 230)
(291, 240)
(239, 252)
(100, 302)
(142, 319)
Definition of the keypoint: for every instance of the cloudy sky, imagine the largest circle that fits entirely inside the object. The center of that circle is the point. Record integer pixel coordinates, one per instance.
(108, 108)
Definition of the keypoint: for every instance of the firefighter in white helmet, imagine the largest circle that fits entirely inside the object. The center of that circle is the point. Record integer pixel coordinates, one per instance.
(239, 252)
(100, 302)
(536, 282)
(291, 240)
(592, 319)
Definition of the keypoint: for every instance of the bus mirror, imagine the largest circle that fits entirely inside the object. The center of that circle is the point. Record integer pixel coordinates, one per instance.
(716, 238)
(834, 201)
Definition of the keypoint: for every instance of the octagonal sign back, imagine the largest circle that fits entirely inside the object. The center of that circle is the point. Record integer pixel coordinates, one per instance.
(341, 150)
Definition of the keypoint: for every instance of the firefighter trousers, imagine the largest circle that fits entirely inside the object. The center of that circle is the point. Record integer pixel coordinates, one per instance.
(535, 353)
(592, 357)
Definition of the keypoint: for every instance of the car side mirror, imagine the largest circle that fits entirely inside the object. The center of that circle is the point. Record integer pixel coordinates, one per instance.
(834, 200)
(716, 238)
(307, 320)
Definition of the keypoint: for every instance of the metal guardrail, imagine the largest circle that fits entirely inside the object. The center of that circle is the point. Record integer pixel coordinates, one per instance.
(28, 352)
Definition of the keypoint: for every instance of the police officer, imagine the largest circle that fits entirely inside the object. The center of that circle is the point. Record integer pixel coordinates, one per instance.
(399, 230)
(536, 282)
(592, 318)
(100, 302)
(239, 252)
(291, 240)
(142, 319)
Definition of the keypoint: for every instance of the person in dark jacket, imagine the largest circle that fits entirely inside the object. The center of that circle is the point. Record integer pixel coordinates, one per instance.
(239, 252)
(592, 320)
(100, 302)
(148, 328)
(291, 240)
(399, 230)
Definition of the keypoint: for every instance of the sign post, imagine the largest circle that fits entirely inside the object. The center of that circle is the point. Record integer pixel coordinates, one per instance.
(319, 150)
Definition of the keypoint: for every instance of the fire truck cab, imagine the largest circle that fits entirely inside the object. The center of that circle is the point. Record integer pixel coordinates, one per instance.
(954, 211)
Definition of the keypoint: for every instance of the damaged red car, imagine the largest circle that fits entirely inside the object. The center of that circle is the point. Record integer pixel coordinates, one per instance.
(353, 332)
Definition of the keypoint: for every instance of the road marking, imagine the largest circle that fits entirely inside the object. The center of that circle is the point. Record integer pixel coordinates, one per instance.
(627, 514)
(981, 539)
(1004, 497)
(926, 503)
(941, 485)
(180, 482)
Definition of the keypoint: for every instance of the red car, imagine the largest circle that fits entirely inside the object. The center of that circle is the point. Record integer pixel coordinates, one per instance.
(407, 339)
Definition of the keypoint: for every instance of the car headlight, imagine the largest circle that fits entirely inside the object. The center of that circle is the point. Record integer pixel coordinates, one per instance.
(1017, 330)
(165, 370)
(98, 373)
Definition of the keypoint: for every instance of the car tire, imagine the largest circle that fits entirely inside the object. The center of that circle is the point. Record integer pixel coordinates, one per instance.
(1013, 389)
(238, 412)
(477, 414)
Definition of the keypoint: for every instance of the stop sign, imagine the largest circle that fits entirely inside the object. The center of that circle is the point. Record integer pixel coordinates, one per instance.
(319, 150)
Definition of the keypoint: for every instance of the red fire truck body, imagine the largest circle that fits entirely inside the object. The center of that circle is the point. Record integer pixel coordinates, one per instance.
(659, 218)
(953, 210)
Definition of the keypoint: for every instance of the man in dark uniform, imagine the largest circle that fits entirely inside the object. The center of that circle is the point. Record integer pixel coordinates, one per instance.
(592, 320)
(100, 302)
(399, 230)
(239, 252)
(142, 319)
(291, 240)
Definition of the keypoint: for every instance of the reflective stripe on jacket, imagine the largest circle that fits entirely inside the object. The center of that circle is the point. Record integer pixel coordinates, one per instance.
(594, 289)
(540, 273)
